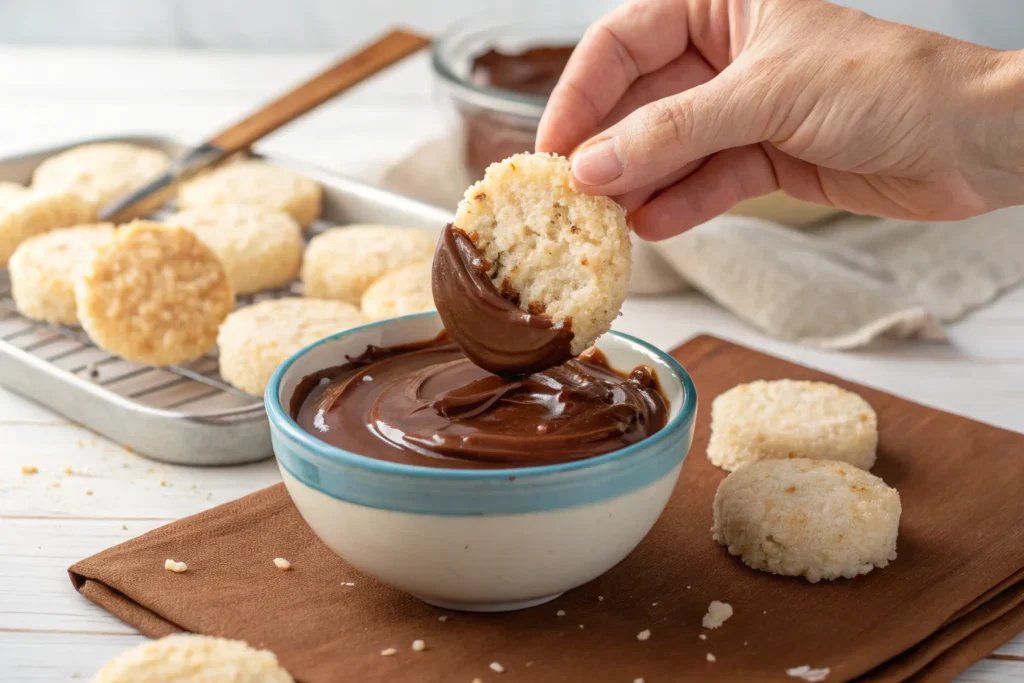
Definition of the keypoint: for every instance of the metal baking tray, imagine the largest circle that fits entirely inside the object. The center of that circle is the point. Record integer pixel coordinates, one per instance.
(180, 414)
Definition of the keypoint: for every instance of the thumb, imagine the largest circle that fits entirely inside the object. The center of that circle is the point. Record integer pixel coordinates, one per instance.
(660, 138)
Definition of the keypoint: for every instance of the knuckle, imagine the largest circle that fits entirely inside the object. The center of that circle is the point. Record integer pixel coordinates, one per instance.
(665, 123)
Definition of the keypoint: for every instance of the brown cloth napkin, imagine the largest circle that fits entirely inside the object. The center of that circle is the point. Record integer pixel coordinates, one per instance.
(953, 595)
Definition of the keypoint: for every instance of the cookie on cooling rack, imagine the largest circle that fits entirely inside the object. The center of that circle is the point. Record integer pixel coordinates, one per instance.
(255, 183)
(260, 248)
(43, 271)
(341, 263)
(195, 658)
(791, 419)
(563, 254)
(812, 518)
(403, 291)
(154, 294)
(105, 171)
(27, 212)
(255, 339)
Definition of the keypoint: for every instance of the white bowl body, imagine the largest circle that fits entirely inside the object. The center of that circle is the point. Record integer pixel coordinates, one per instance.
(479, 540)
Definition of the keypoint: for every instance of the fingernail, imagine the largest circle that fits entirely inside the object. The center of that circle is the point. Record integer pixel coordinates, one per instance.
(597, 164)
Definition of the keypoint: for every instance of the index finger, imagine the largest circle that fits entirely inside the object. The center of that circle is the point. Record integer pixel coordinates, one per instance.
(637, 38)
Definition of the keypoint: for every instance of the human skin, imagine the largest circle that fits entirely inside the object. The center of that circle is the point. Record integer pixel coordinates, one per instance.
(680, 109)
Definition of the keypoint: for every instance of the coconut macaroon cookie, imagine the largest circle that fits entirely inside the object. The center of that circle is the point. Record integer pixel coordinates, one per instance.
(154, 294)
(400, 292)
(255, 183)
(43, 271)
(791, 419)
(27, 212)
(813, 518)
(254, 340)
(103, 172)
(260, 248)
(341, 263)
(560, 257)
(195, 659)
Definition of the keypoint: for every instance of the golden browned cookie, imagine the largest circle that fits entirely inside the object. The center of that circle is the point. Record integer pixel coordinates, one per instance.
(255, 183)
(260, 248)
(105, 171)
(43, 271)
(154, 294)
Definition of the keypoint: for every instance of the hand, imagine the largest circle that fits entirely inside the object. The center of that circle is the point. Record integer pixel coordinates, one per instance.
(705, 103)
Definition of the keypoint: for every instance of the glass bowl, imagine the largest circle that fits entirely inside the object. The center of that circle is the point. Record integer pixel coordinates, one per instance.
(494, 123)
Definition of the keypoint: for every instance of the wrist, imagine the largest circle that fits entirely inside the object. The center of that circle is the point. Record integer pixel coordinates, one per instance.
(995, 127)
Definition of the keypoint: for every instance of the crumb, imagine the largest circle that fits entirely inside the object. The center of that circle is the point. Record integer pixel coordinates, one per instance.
(80, 443)
(126, 466)
(129, 449)
(710, 657)
(76, 675)
(702, 636)
(124, 527)
(764, 611)
(600, 597)
(560, 613)
(163, 482)
(654, 604)
(419, 645)
(387, 652)
(581, 625)
(744, 643)
(282, 564)
(88, 492)
(688, 587)
(367, 378)
(495, 667)
(808, 674)
(529, 663)
(477, 680)
(443, 618)
(718, 613)
(29, 469)
(194, 486)
(68, 471)
(176, 567)
(347, 583)
(644, 635)
(56, 484)
(638, 680)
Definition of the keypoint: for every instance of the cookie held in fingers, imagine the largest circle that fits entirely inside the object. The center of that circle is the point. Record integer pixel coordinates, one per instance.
(260, 248)
(531, 272)
(254, 340)
(26, 212)
(255, 183)
(791, 419)
(154, 294)
(44, 268)
(341, 263)
(403, 291)
(105, 171)
(193, 658)
(818, 519)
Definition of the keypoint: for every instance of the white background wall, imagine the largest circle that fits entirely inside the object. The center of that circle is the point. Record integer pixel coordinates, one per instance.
(339, 24)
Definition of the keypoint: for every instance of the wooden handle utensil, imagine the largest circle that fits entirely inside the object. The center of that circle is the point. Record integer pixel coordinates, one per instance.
(389, 49)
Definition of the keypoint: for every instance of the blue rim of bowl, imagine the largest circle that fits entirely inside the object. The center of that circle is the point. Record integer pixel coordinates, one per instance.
(283, 421)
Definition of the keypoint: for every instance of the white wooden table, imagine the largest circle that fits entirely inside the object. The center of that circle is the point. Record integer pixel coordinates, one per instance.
(49, 520)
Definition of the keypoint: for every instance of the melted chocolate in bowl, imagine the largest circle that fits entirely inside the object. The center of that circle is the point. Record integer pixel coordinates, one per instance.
(490, 328)
(427, 404)
(491, 135)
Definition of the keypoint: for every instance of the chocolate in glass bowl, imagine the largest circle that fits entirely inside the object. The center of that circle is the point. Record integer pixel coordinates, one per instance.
(498, 78)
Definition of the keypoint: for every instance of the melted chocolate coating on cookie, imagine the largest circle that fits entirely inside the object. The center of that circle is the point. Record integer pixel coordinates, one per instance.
(486, 323)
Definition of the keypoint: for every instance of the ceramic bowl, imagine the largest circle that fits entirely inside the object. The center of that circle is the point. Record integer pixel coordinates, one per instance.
(479, 540)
